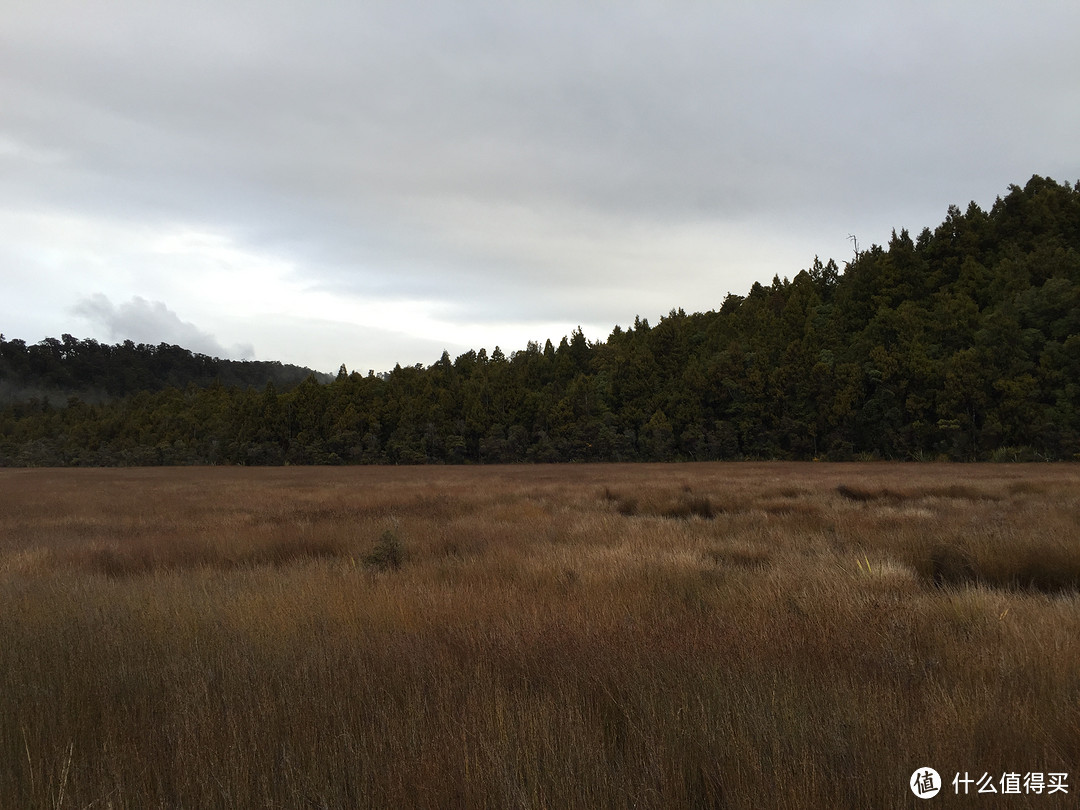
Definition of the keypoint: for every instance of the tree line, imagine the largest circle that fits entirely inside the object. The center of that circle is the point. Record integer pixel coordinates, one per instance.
(963, 343)
(96, 372)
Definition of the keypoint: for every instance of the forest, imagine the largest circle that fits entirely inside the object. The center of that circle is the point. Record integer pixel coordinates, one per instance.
(960, 344)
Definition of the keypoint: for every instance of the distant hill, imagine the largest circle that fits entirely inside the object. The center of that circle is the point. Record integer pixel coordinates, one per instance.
(962, 343)
(97, 372)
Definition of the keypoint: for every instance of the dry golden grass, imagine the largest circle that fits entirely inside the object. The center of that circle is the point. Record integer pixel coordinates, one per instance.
(749, 635)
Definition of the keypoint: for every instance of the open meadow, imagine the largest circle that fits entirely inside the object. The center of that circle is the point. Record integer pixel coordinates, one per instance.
(586, 636)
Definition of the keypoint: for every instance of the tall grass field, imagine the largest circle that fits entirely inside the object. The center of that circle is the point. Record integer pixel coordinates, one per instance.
(653, 636)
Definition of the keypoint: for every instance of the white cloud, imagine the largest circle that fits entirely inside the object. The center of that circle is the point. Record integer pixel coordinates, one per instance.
(152, 322)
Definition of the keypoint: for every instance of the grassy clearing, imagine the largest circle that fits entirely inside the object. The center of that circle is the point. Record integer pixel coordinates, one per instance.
(659, 636)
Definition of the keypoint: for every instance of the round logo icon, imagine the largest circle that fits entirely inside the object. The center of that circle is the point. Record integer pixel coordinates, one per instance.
(925, 783)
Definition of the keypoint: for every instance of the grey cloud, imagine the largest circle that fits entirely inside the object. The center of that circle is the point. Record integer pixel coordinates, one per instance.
(350, 115)
(152, 322)
(637, 110)
(494, 155)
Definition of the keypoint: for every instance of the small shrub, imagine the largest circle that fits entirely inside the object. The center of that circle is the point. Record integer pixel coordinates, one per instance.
(388, 554)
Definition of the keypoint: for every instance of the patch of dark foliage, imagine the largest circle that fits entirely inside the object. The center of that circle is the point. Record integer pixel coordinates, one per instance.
(1038, 572)
(137, 558)
(388, 554)
(955, 491)
(860, 495)
(738, 558)
(1034, 570)
(624, 505)
(690, 505)
(951, 566)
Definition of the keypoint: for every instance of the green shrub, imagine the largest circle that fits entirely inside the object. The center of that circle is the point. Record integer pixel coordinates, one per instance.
(388, 554)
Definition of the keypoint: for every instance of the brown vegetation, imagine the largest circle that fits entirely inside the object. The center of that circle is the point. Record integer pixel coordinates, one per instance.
(749, 635)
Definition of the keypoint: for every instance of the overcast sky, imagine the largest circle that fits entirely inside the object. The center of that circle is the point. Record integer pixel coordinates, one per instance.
(369, 183)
